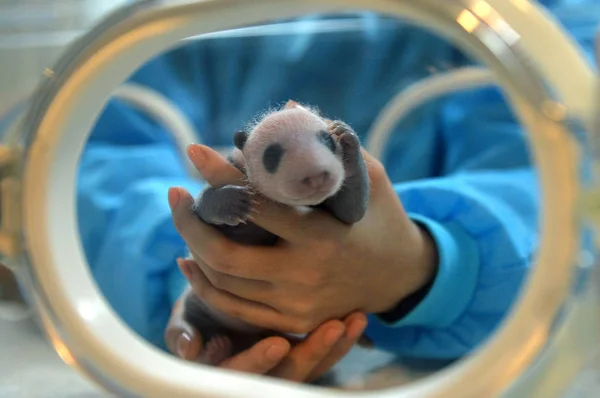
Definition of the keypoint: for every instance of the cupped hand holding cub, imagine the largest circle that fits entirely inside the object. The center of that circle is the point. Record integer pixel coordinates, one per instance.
(320, 271)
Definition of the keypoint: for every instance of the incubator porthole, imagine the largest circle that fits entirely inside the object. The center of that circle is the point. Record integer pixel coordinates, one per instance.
(203, 114)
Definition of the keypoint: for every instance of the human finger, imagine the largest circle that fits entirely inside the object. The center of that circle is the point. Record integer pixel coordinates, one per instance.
(249, 289)
(383, 197)
(254, 313)
(260, 358)
(355, 327)
(377, 174)
(213, 167)
(181, 338)
(306, 355)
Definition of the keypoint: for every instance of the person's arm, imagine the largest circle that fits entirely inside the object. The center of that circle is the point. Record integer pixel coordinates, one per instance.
(483, 215)
(483, 218)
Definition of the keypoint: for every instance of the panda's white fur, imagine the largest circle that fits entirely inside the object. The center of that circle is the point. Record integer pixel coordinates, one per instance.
(306, 158)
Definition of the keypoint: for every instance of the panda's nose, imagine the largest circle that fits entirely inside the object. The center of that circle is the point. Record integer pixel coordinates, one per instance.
(316, 181)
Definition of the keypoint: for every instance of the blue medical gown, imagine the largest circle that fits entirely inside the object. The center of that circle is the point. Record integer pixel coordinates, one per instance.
(460, 165)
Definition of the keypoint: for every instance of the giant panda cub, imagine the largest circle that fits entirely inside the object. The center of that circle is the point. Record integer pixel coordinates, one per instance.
(292, 156)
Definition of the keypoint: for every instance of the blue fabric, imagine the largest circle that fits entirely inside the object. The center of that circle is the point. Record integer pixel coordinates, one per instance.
(457, 276)
(460, 165)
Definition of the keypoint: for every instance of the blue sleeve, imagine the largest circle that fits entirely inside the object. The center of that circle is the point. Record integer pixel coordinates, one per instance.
(483, 213)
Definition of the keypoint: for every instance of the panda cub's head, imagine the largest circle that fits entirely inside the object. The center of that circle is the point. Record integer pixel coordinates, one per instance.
(290, 157)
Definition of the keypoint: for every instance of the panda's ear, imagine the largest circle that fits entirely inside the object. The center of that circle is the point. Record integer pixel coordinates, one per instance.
(239, 139)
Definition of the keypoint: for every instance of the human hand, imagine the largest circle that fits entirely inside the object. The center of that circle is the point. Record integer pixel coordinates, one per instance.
(321, 269)
(296, 360)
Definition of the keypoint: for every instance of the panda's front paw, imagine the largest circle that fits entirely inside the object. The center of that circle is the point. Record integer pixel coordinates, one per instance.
(338, 128)
(225, 205)
(236, 203)
(346, 137)
(350, 143)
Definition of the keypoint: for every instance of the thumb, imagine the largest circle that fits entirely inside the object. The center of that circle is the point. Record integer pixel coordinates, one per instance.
(380, 184)
(181, 338)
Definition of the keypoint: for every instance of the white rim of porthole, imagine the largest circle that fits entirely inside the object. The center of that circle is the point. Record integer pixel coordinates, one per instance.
(511, 37)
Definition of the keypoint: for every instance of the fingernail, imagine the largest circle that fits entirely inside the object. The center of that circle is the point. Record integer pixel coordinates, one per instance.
(359, 321)
(173, 197)
(185, 268)
(197, 153)
(333, 335)
(363, 322)
(356, 327)
(183, 344)
(360, 325)
(275, 352)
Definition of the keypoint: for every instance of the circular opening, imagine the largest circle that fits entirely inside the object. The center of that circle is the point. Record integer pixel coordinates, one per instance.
(133, 258)
(90, 322)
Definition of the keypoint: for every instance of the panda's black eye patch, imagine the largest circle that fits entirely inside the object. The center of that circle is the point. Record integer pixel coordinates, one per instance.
(272, 157)
(326, 139)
